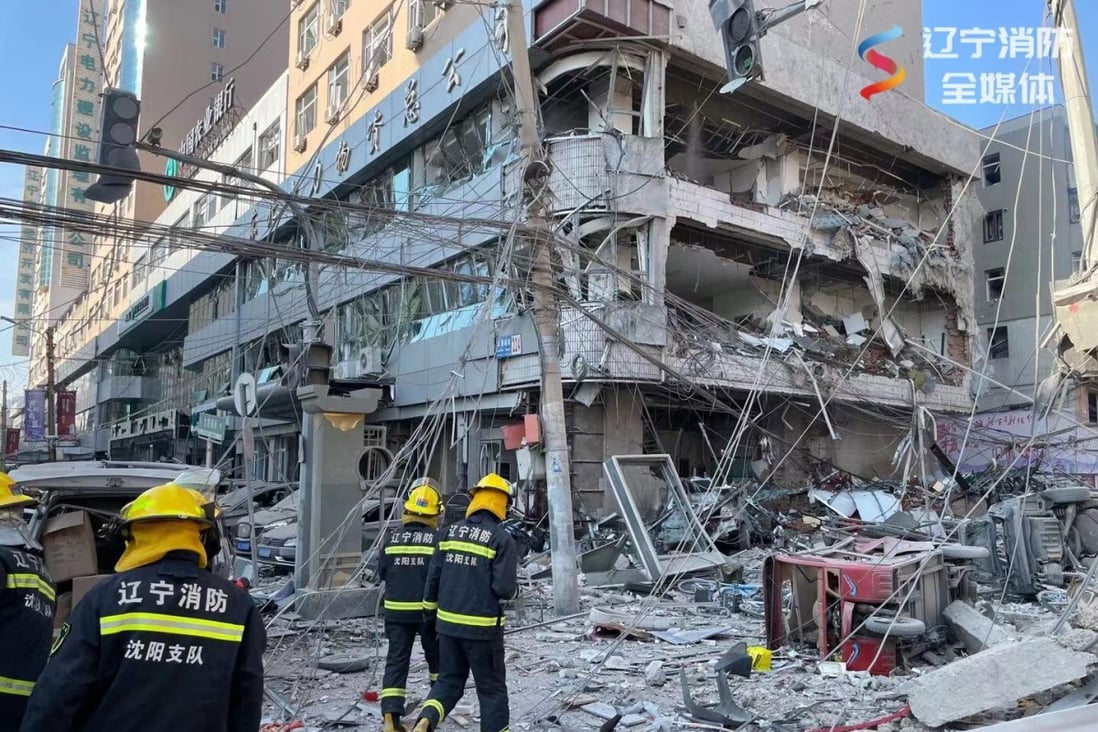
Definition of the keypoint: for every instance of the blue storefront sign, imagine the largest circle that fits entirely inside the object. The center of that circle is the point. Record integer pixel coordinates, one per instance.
(34, 415)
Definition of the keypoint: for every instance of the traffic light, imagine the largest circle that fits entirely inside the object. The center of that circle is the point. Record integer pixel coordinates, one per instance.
(738, 25)
(117, 135)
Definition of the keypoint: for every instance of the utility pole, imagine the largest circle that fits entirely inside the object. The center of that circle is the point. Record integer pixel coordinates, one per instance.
(535, 172)
(1080, 118)
(51, 421)
(4, 428)
(1075, 305)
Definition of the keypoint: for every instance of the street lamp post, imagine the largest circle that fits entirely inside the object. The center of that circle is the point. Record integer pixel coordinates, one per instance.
(51, 420)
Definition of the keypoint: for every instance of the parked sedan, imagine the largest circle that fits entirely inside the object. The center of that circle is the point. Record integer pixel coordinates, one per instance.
(279, 515)
(277, 544)
(234, 504)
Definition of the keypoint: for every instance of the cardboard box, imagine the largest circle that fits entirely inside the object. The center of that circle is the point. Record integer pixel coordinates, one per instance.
(69, 544)
(81, 585)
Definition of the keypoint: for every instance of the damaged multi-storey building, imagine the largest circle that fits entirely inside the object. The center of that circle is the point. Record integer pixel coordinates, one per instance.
(788, 265)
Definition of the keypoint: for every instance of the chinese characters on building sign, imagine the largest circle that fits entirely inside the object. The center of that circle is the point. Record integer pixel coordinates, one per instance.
(29, 242)
(81, 136)
(215, 113)
(995, 87)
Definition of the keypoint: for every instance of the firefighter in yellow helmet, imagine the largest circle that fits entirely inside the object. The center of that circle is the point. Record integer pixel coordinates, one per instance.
(402, 566)
(27, 605)
(162, 644)
(473, 572)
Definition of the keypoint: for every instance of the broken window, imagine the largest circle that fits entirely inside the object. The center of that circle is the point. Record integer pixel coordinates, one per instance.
(992, 171)
(491, 459)
(1074, 213)
(998, 343)
(996, 279)
(377, 46)
(421, 13)
(1092, 407)
(307, 30)
(460, 152)
(993, 226)
(362, 323)
(377, 196)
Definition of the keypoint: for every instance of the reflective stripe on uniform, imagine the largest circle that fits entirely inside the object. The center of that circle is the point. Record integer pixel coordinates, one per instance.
(393, 692)
(480, 621)
(437, 706)
(468, 547)
(172, 625)
(15, 687)
(31, 582)
(410, 549)
(394, 605)
(432, 677)
(430, 605)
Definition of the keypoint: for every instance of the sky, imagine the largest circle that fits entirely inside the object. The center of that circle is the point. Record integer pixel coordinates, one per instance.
(33, 36)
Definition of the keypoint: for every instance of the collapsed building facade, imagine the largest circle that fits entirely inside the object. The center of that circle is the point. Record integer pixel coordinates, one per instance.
(718, 255)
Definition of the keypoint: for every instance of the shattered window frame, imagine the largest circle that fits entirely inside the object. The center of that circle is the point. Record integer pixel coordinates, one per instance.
(992, 169)
(1092, 407)
(995, 283)
(993, 225)
(377, 45)
(1075, 213)
(270, 143)
(307, 30)
(339, 75)
(998, 343)
(305, 111)
(460, 152)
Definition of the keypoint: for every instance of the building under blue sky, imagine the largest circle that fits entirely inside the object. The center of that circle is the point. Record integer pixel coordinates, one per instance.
(989, 56)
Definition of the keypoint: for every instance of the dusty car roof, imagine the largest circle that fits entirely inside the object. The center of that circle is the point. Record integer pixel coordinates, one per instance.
(100, 475)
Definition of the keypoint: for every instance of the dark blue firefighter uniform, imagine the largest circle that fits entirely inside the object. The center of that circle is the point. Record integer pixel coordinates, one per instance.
(27, 605)
(167, 647)
(403, 568)
(473, 571)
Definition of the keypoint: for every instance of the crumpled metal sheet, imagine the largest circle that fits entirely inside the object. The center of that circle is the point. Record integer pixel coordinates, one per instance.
(872, 506)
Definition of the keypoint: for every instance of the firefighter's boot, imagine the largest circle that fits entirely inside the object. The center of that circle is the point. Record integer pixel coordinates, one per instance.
(422, 726)
(392, 723)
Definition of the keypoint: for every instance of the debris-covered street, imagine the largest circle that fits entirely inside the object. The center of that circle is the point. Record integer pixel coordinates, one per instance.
(650, 656)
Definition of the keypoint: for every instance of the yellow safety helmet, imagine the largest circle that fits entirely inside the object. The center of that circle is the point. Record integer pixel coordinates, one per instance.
(166, 503)
(10, 495)
(424, 499)
(496, 482)
(492, 493)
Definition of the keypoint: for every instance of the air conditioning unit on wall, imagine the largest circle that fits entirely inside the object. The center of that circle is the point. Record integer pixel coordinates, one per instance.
(369, 361)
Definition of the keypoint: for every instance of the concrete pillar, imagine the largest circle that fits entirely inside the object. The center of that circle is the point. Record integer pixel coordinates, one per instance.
(329, 542)
(653, 96)
(656, 241)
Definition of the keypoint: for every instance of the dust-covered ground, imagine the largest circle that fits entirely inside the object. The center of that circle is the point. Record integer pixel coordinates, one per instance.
(568, 675)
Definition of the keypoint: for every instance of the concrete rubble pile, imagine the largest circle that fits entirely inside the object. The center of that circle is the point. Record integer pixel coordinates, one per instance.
(864, 610)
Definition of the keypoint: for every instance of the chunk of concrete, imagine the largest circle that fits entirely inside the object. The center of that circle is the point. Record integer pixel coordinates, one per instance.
(654, 674)
(974, 629)
(993, 678)
(602, 710)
